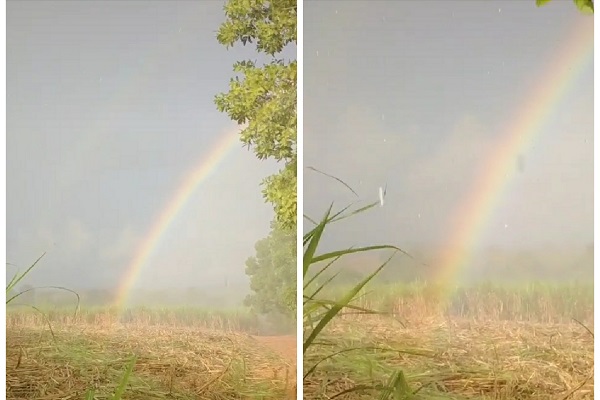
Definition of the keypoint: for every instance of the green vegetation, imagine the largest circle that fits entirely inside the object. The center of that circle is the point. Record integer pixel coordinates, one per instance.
(320, 313)
(271, 271)
(263, 98)
(18, 277)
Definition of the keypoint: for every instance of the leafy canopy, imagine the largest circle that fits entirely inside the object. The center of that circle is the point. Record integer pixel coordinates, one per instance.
(263, 97)
(271, 271)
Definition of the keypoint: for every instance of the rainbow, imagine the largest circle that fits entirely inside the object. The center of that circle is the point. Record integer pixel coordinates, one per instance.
(469, 219)
(191, 182)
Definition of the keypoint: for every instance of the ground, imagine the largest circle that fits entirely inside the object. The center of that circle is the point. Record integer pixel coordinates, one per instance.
(454, 359)
(174, 363)
(284, 345)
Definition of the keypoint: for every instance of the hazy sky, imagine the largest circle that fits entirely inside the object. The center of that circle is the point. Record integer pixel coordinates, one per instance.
(109, 107)
(413, 94)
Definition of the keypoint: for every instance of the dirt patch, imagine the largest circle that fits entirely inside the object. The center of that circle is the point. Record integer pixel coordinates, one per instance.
(283, 345)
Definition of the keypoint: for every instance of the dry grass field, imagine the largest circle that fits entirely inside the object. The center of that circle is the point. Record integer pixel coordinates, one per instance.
(173, 361)
(456, 359)
(492, 344)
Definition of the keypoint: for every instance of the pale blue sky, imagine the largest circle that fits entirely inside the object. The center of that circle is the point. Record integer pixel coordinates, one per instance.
(412, 93)
(109, 106)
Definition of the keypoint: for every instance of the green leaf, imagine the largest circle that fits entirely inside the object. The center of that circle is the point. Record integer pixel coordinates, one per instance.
(346, 299)
(585, 6)
(16, 279)
(264, 96)
(319, 313)
(314, 242)
(124, 379)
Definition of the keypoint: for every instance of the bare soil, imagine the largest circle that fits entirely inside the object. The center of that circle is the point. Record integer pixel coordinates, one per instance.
(283, 345)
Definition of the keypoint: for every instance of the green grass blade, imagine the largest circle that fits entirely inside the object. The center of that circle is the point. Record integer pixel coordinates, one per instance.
(357, 211)
(314, 241)
(323, 311)
(330, 304)
(326, 220)
(312, 221)
(338, 307)
(398, 387)
(123, 384)
(333, 177)
(17, 278)
(321, 287)
(311, 280)
(340, 253)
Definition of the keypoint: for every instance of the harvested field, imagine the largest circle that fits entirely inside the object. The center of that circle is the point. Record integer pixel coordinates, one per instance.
(454, 359)
(172, 363)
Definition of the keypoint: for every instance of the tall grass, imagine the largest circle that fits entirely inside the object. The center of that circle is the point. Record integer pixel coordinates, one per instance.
(236, 319)
(18, 277)
(320, 311)
(539, 302)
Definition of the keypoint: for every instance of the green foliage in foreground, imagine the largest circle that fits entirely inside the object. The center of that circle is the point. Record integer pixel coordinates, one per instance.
(319, 312)
(118, 395)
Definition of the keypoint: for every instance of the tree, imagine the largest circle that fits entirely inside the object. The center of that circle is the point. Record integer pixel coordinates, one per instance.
(272, 273)
(585, 6)
(263, 97)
